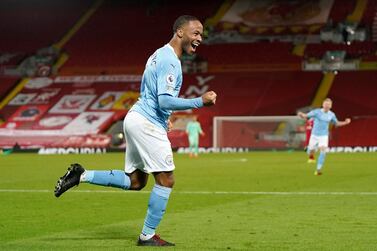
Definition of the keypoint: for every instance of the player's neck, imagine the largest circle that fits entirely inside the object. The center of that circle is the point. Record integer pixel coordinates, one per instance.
(176, 47)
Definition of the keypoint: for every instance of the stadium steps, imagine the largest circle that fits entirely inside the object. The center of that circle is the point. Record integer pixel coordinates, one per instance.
(355, 16)
(76, 27)
(368, 66)
(358, 12)
(59, 45)
(299, 49)
(32, 25)
(6, 85)
(14, 92)
(323, 90)
(212, 21)
(83, 19)
(113, 52)
(63, 57)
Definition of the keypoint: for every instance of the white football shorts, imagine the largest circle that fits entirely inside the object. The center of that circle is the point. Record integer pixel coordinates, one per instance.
(147, 145)
(318, 141)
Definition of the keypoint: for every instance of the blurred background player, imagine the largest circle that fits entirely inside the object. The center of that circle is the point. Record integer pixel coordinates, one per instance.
(308, 131)
(148, 149)
(319, 138)
(193, 130)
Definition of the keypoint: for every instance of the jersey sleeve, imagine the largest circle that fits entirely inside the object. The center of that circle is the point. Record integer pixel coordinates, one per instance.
(334, 119)
(169, 102)
(312, 113)
(166, 78)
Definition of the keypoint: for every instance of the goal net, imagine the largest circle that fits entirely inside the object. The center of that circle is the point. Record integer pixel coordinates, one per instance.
(259, 132)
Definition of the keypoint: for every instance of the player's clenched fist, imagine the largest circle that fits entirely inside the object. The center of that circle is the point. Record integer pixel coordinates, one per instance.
(209, 98)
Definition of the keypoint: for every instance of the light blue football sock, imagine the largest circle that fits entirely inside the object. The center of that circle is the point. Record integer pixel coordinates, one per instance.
(321, 160)
(112, 178)
(156, 208)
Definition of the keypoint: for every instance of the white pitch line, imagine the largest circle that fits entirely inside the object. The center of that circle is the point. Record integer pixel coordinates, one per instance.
(193, 192)
(235, 160)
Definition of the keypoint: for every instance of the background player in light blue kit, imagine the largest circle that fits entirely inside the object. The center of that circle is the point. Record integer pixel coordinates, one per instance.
(319, 138)
(148, 149)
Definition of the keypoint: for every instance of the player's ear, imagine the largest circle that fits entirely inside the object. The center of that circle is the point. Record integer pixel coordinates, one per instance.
(180, 32)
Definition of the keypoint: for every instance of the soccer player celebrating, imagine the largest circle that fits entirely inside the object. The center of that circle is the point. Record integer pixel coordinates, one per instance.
(148, 149)
(193, 129)
(320, 132)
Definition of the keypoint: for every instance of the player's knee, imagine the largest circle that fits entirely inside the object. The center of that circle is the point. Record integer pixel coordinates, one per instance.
(137, 185)
(167, 181)
(138, 180)
(170, 182)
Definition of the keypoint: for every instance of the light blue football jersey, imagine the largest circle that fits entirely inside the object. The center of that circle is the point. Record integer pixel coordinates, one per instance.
(162, 75)
(322, 121)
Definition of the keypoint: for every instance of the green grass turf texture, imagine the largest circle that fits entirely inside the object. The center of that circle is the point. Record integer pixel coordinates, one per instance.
(35, 220)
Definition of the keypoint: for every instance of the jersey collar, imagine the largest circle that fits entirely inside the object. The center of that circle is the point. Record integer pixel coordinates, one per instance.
(171, 48)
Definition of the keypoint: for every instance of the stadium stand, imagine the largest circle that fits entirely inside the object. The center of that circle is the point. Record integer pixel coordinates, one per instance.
(250, 57)
(369, 14)
(253, 94)
(340, 14)
(28, 26)
(6, 84)
(53, 108)
(251, 79)
(354, 50)
(124, 44)
(355, 96)
(31, 25)
(355, 93)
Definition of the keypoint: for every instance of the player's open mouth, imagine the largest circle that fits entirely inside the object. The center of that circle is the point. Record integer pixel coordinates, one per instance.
(195, 44)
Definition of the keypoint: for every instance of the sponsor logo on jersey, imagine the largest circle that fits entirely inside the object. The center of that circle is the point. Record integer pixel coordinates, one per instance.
(170, 80)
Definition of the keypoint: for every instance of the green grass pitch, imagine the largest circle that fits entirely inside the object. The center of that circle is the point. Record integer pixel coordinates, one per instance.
(250, 201)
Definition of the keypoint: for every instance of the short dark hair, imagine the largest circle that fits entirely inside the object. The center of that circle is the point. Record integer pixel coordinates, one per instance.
(181, 20)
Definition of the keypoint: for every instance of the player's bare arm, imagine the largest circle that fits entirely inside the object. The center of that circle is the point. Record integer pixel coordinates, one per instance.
(343, 123)
(302, 115)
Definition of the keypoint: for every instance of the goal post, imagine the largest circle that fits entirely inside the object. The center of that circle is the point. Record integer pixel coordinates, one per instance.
(259, 132)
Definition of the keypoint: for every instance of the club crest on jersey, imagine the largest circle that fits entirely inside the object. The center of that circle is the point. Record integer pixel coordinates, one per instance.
(169, 160)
